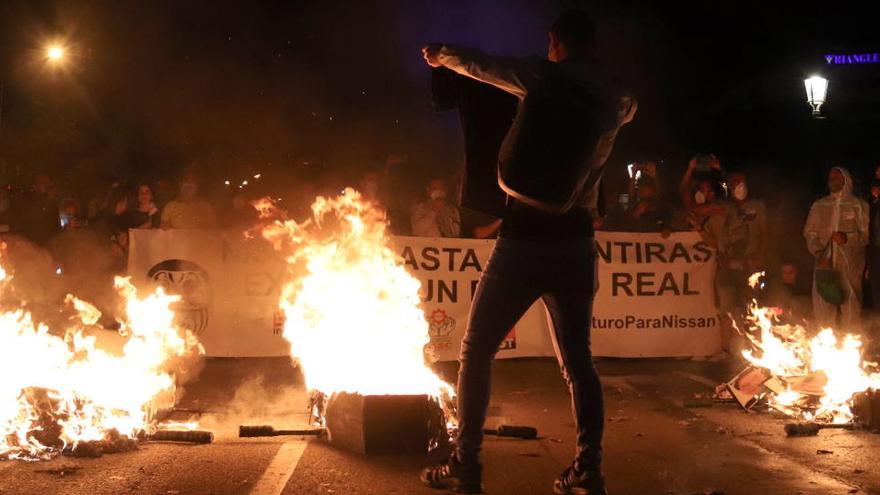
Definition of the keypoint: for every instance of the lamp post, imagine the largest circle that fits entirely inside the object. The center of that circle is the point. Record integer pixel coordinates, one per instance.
(817, 90)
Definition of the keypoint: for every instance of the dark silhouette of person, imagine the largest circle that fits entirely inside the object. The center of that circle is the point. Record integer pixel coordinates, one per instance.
(550, 165)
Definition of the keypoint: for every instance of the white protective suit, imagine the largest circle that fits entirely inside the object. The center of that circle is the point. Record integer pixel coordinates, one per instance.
(847, 213)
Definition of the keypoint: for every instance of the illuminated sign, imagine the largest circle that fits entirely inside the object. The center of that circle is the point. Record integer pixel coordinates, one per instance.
(852, 58)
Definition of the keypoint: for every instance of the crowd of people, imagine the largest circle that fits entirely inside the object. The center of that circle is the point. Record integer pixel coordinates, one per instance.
(64, 243)
(50, 216)
(41, 216)
(840, 233)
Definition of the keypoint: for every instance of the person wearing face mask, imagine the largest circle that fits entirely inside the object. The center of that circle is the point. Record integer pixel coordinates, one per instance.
(697, 188)
(742, 250)
(744, 238)
(188, 210)
(435, 216)
(706, 214)
(704, 210)
(836, 234)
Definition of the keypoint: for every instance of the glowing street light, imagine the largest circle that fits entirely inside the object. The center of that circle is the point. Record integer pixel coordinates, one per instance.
(55, 53)
(817, 89)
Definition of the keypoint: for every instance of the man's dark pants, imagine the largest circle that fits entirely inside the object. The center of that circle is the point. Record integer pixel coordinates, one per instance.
(562, 273)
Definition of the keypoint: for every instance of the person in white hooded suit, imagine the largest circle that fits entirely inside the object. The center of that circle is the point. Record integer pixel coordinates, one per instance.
(837, 233)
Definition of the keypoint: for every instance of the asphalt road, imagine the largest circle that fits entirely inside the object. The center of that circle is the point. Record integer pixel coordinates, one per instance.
(654, 445)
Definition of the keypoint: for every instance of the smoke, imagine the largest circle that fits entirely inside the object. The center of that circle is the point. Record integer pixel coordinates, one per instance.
(36, 284)
(78, 262)
(259, 400)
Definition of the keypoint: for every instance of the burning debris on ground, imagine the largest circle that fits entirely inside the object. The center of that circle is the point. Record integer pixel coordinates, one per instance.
(255, 431)
(112, 443)
(77, 398)
(395, 404)
(343, 254)
(385, 424)
(184, 436)
(812, 429)
(123, 153)
(816, 377)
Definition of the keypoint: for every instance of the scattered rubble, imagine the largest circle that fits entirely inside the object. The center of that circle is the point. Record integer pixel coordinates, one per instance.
(61, 471)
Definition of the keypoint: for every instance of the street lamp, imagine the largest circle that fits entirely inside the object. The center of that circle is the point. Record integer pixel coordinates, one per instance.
(817, 89)
(55, 53)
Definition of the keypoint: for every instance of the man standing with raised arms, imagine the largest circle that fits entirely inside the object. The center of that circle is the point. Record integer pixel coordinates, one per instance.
(550, 164)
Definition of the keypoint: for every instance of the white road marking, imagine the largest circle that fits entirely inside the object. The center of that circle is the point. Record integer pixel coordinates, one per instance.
(275, 478)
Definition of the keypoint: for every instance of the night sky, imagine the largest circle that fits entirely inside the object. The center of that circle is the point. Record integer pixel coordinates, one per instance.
(318, 88)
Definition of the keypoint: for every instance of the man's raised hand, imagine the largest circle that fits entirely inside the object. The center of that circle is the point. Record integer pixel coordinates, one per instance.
(431, 52)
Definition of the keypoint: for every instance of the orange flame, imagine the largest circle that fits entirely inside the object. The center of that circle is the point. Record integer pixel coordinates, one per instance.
(822, 374)
(755, 279)
(67, 383)
(353, 316)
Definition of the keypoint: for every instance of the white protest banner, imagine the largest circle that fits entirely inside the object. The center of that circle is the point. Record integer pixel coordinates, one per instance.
(229, 286)
(449, 270)
(230, 289)
(656, 296)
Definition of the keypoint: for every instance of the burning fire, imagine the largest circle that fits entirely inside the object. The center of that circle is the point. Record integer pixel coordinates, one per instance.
(353, 316)
(820, 374)
(58, 391)
(755, 279)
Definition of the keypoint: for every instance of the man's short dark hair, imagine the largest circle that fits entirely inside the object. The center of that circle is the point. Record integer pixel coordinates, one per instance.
(576, 30)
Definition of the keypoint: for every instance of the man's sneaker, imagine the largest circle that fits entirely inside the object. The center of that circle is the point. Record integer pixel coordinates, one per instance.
(453, 475)
(573, 481)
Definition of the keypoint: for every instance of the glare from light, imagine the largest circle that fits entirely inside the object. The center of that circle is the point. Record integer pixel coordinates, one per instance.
(55, 53)
(817, 90)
